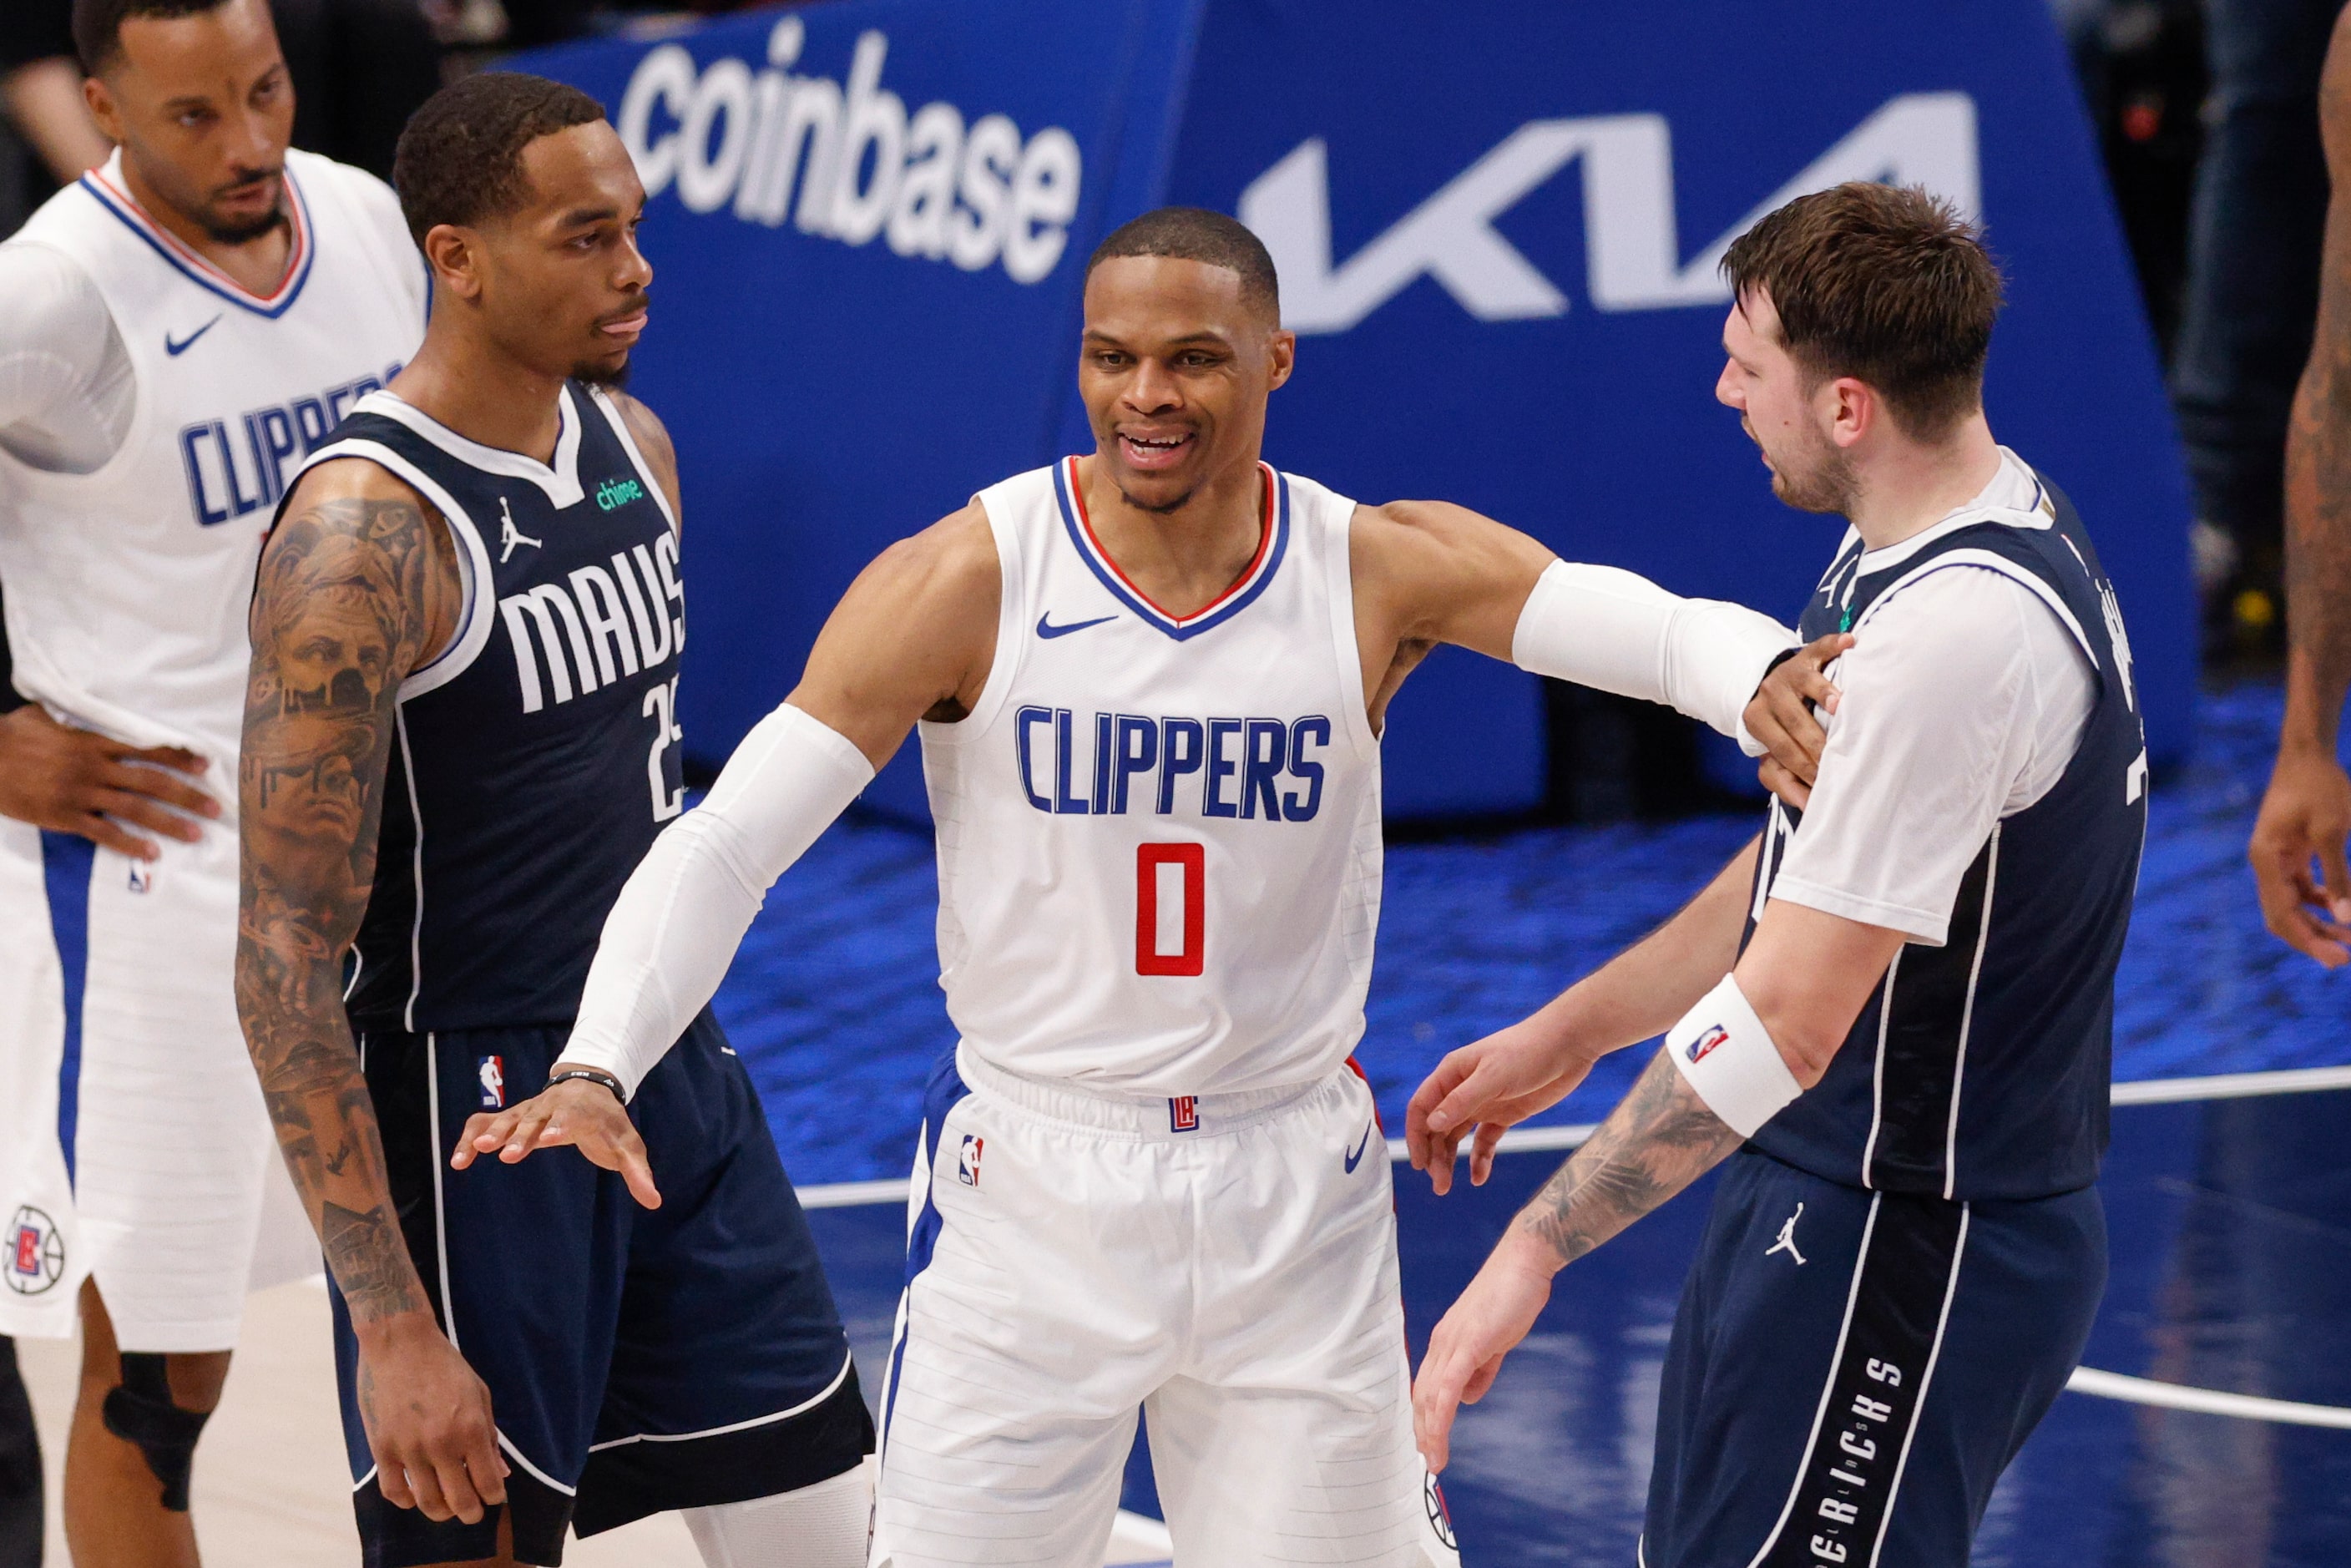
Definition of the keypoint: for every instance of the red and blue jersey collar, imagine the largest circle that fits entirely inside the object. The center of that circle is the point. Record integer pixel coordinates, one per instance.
(1273, 542)
(106, 185)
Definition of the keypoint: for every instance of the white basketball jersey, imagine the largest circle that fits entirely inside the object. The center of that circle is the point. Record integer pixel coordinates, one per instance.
(127, 589)
(1159, 837)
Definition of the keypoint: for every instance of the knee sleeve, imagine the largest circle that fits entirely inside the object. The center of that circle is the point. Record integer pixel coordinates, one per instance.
(141, 1412)
(827, 1525)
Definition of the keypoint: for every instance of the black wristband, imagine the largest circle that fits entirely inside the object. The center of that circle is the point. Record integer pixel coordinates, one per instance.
(593, 1075)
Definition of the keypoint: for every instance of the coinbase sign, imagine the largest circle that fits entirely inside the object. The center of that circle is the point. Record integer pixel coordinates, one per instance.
(848, 162)
(1499, 229)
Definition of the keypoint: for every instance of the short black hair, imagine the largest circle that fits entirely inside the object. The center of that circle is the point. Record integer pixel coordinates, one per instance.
(97, 24)
(1195, 233)
(460, 156)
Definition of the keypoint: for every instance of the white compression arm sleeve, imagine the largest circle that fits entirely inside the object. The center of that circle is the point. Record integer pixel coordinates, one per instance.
(1617, 632)
(675, 929)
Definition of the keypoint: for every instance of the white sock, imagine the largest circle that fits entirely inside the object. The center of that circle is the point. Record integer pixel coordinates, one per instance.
(827, 1525)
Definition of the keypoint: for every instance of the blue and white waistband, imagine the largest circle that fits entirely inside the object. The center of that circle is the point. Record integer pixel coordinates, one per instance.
(1140, 1118)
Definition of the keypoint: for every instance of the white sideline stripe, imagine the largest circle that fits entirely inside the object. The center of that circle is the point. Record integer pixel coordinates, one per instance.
(2233, 1085)
(1539, 1140)
(850, 1194)
(2205, 1401)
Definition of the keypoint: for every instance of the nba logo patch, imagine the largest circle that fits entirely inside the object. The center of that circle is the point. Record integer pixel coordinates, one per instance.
(492, 1071)
(142, 879)
(1184, 1113)
(968, 1162)
(1699, 1048)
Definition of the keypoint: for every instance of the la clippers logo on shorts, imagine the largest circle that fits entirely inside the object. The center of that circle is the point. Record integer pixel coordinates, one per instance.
(493, 1074)
(36, 1253)
(968, 1162)
(1184, 1113)
(1714, 1036)
(1441, 1518)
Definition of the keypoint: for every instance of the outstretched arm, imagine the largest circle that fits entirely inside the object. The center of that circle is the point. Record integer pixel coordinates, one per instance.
(1428, 571)
(1492, 1085)
(1806, 976)
(355, 586)
(678, 921)
(2306, 814)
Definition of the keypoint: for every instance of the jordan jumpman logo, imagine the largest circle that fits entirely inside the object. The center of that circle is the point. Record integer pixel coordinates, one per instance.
(1787, 1242)
(510, 536)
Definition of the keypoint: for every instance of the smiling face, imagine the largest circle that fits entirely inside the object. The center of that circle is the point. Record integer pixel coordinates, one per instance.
(1789, 412)
(560, 281)
(1176, 369)
(203, 110)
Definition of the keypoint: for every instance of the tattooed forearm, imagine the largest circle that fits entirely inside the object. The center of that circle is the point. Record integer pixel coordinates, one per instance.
(2318, 452)
(351, 593)
(1658, 1142)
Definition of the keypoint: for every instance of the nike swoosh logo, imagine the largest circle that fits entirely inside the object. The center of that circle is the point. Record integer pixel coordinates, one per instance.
(181, 347)
(1357, 1157)
(1046, 629)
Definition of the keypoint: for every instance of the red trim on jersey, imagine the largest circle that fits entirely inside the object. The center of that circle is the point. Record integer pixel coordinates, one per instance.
(1266, 530)
(294, 254)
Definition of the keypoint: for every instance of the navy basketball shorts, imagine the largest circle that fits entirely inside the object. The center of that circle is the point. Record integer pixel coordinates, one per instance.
(638, 1360)
(1851, 1371)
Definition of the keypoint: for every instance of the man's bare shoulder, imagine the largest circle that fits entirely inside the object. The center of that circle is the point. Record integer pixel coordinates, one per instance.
(1425, 542)
(951, 563)
(651, 437)
(349, 479)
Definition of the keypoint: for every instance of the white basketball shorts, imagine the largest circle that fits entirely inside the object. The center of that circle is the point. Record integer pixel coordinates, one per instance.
(134, 1144)
(1226, 1264)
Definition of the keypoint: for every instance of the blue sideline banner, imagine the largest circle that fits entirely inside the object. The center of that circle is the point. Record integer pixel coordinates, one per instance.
(1498, 227)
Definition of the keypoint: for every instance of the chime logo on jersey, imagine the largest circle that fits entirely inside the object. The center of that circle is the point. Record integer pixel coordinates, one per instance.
(968, 1162)
(241, 465)
(598, 626)
(492, 1071)
(1715, 1035)
(1240, 767)
(1184, 1113)
(36, 1253)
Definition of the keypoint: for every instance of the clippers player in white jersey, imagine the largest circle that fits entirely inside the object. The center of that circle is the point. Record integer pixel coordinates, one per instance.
(1150, 683)
(182, 326)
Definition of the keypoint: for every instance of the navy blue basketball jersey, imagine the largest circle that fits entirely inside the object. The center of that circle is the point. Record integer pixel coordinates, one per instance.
(1980, 1069)
(537, 756)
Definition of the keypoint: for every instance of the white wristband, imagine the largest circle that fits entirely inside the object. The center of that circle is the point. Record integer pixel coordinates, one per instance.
(1722, 1048)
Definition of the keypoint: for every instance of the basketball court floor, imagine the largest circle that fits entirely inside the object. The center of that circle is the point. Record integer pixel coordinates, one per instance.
(2209, 1428)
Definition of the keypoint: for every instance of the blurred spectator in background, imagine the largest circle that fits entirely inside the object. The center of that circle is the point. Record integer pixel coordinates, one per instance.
(360, 68)
(48, 137)
(2141, 65)
(2253, 294)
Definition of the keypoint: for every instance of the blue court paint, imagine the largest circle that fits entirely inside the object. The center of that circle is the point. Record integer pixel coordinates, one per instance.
(2231, 1228)
(67, 859)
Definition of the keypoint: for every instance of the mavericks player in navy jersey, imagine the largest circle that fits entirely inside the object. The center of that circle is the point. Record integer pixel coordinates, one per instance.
(1150, 682)
(1899, 1000)
(460, 721)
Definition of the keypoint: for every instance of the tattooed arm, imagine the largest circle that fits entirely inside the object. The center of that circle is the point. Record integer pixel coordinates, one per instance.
(2306, 814)
(358, 586)
(1807, 974)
